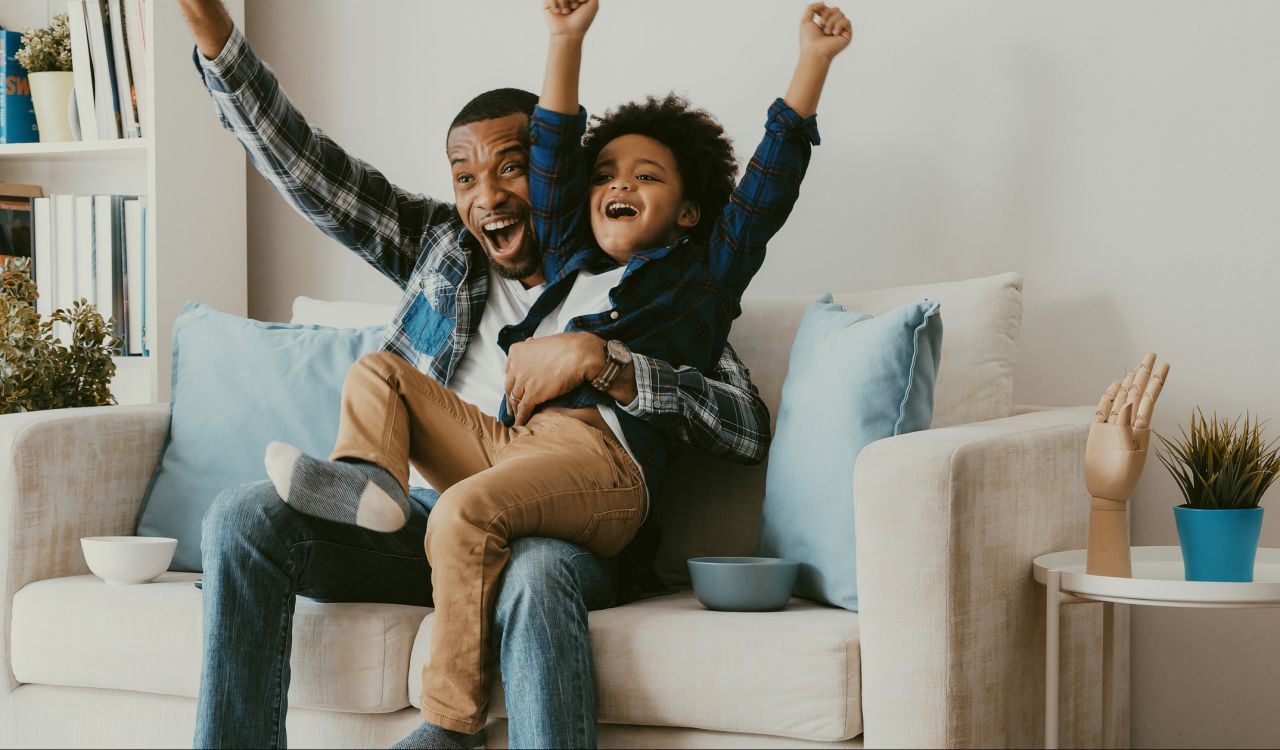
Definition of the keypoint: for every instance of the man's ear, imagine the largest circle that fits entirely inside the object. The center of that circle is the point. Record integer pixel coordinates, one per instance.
(690, 214)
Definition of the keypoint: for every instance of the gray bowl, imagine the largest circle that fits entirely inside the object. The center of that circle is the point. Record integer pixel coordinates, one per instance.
(743, 584)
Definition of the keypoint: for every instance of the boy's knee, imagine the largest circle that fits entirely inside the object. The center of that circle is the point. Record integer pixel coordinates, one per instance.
(380, 365)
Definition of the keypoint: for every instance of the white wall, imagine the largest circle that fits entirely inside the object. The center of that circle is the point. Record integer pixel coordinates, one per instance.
(1121, 155)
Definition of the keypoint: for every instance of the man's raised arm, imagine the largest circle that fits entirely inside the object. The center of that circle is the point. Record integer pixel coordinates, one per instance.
(210, 24)
(341, 195)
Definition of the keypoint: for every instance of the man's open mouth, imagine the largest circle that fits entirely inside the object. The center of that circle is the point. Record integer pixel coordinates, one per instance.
(621, 211)
(504, 234)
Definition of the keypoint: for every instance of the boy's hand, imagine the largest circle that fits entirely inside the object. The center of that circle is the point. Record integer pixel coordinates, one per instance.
(825, 31)
(570, 18)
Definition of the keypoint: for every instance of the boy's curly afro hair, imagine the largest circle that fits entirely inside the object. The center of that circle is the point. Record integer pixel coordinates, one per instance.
(704, 154)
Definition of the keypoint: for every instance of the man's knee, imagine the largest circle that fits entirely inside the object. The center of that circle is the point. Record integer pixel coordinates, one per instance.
(541, 570)
(239, 515)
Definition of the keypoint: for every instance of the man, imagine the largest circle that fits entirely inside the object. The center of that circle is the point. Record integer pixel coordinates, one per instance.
(467, 272)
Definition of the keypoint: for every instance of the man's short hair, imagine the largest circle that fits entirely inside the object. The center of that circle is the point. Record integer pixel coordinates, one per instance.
(494, 104)
(703, 152)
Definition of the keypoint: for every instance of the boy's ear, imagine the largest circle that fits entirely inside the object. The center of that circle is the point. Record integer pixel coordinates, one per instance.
(690, 214)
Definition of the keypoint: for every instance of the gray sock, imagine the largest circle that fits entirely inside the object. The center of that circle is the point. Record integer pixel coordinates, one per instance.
(431, 736)
(351, 492)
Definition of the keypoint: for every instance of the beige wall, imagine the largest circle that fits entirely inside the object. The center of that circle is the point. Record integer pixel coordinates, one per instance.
(1122, 155)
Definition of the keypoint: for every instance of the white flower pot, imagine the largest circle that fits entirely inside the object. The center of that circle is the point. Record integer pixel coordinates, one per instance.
(51, 93)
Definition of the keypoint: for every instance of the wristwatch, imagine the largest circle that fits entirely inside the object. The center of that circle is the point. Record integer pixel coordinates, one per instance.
(616, 357)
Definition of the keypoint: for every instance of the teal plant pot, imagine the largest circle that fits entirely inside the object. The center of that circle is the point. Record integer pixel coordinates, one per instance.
(1218, 545)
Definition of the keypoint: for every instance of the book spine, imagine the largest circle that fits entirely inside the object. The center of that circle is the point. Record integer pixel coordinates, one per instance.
(133, 20)
(104, 86)
(124, 81)
(104, 260)
(86, 282)
(17, 114)
(82, 70)
(64, 245)
(133, 252)
(146, 284)
(45, 272)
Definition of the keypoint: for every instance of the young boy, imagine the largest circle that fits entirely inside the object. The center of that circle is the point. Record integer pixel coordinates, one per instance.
(643, 212)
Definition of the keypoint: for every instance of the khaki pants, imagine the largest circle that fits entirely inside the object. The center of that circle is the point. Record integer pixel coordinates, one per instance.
(555, 477)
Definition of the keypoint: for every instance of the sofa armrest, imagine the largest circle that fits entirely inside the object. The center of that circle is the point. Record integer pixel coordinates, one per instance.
(951, 618)
(66, 474)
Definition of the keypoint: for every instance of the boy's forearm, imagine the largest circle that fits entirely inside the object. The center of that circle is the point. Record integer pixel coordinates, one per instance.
(564, 65)
(806, 84)
(210, 24)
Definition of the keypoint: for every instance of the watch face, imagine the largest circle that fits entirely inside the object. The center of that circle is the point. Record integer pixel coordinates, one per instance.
(619, 352)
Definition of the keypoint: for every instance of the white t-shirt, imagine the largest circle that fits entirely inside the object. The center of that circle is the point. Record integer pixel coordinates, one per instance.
(481, 376)
(589, 295)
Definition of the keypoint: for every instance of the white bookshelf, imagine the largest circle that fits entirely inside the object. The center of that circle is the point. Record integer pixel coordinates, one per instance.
(191, 172)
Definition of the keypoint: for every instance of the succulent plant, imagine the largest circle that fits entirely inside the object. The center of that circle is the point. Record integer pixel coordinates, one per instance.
(1221, 464)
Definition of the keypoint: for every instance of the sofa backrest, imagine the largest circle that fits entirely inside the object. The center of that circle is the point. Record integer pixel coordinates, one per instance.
(709, 506)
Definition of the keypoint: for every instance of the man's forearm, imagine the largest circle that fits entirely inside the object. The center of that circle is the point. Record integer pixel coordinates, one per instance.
(210, 24)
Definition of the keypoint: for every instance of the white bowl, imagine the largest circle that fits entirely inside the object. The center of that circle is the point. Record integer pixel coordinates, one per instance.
(123, 560)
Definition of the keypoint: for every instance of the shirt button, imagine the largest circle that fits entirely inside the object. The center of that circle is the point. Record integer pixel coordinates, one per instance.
(614, 315)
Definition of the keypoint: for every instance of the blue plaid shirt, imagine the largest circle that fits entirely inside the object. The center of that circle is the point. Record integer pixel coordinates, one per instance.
(675, 302)
(422, 245)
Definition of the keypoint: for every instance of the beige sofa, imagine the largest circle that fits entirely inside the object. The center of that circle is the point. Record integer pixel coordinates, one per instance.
(947, 650)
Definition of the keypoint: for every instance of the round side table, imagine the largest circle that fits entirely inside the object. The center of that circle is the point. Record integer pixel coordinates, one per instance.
(1158, 581)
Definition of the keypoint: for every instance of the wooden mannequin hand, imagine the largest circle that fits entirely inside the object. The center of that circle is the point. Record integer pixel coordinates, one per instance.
(1117, 447)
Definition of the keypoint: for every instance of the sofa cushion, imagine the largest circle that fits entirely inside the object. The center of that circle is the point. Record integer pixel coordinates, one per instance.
(669, 661)
(79, 632)
(238, 384)
(710, 507)
(853, 379)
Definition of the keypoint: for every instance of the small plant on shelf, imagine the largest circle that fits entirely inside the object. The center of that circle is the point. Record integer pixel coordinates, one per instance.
(38, 371)
(48, 48)
(1221, 464)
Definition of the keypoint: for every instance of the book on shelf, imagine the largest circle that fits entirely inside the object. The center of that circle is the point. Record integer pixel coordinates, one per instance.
(64, 246)
(105, 94)
(124, 78)
(136, 40)
(17, 115)
(82, 70)
(15, 220)
(93, 247)
(134, 273)
(43, 270)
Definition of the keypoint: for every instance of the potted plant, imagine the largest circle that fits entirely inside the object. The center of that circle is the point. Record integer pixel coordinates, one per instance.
(1223, 469)
(46, 54)
(36, 370)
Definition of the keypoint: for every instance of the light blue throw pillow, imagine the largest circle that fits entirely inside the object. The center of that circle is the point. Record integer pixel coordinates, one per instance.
(237, 385)
(852, 379)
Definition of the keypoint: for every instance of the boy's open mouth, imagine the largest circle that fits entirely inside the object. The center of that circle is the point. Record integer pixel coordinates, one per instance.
(504, 234)
(621, 211)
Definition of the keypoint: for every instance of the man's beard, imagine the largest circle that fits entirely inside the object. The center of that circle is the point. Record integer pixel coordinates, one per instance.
(527, 265)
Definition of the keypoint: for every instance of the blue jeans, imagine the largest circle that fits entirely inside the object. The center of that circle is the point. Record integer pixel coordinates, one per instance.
(259, 554)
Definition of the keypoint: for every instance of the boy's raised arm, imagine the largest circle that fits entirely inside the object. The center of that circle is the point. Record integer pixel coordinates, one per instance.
(567, 24)
(821, 39)
(557, 175)
(770, 184)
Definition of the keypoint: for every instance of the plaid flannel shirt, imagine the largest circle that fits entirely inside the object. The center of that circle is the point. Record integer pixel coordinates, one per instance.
(422, 245)
(675, 302)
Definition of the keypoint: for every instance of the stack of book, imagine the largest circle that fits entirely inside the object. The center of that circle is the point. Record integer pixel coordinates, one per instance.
(109, 59)
(93, 247)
